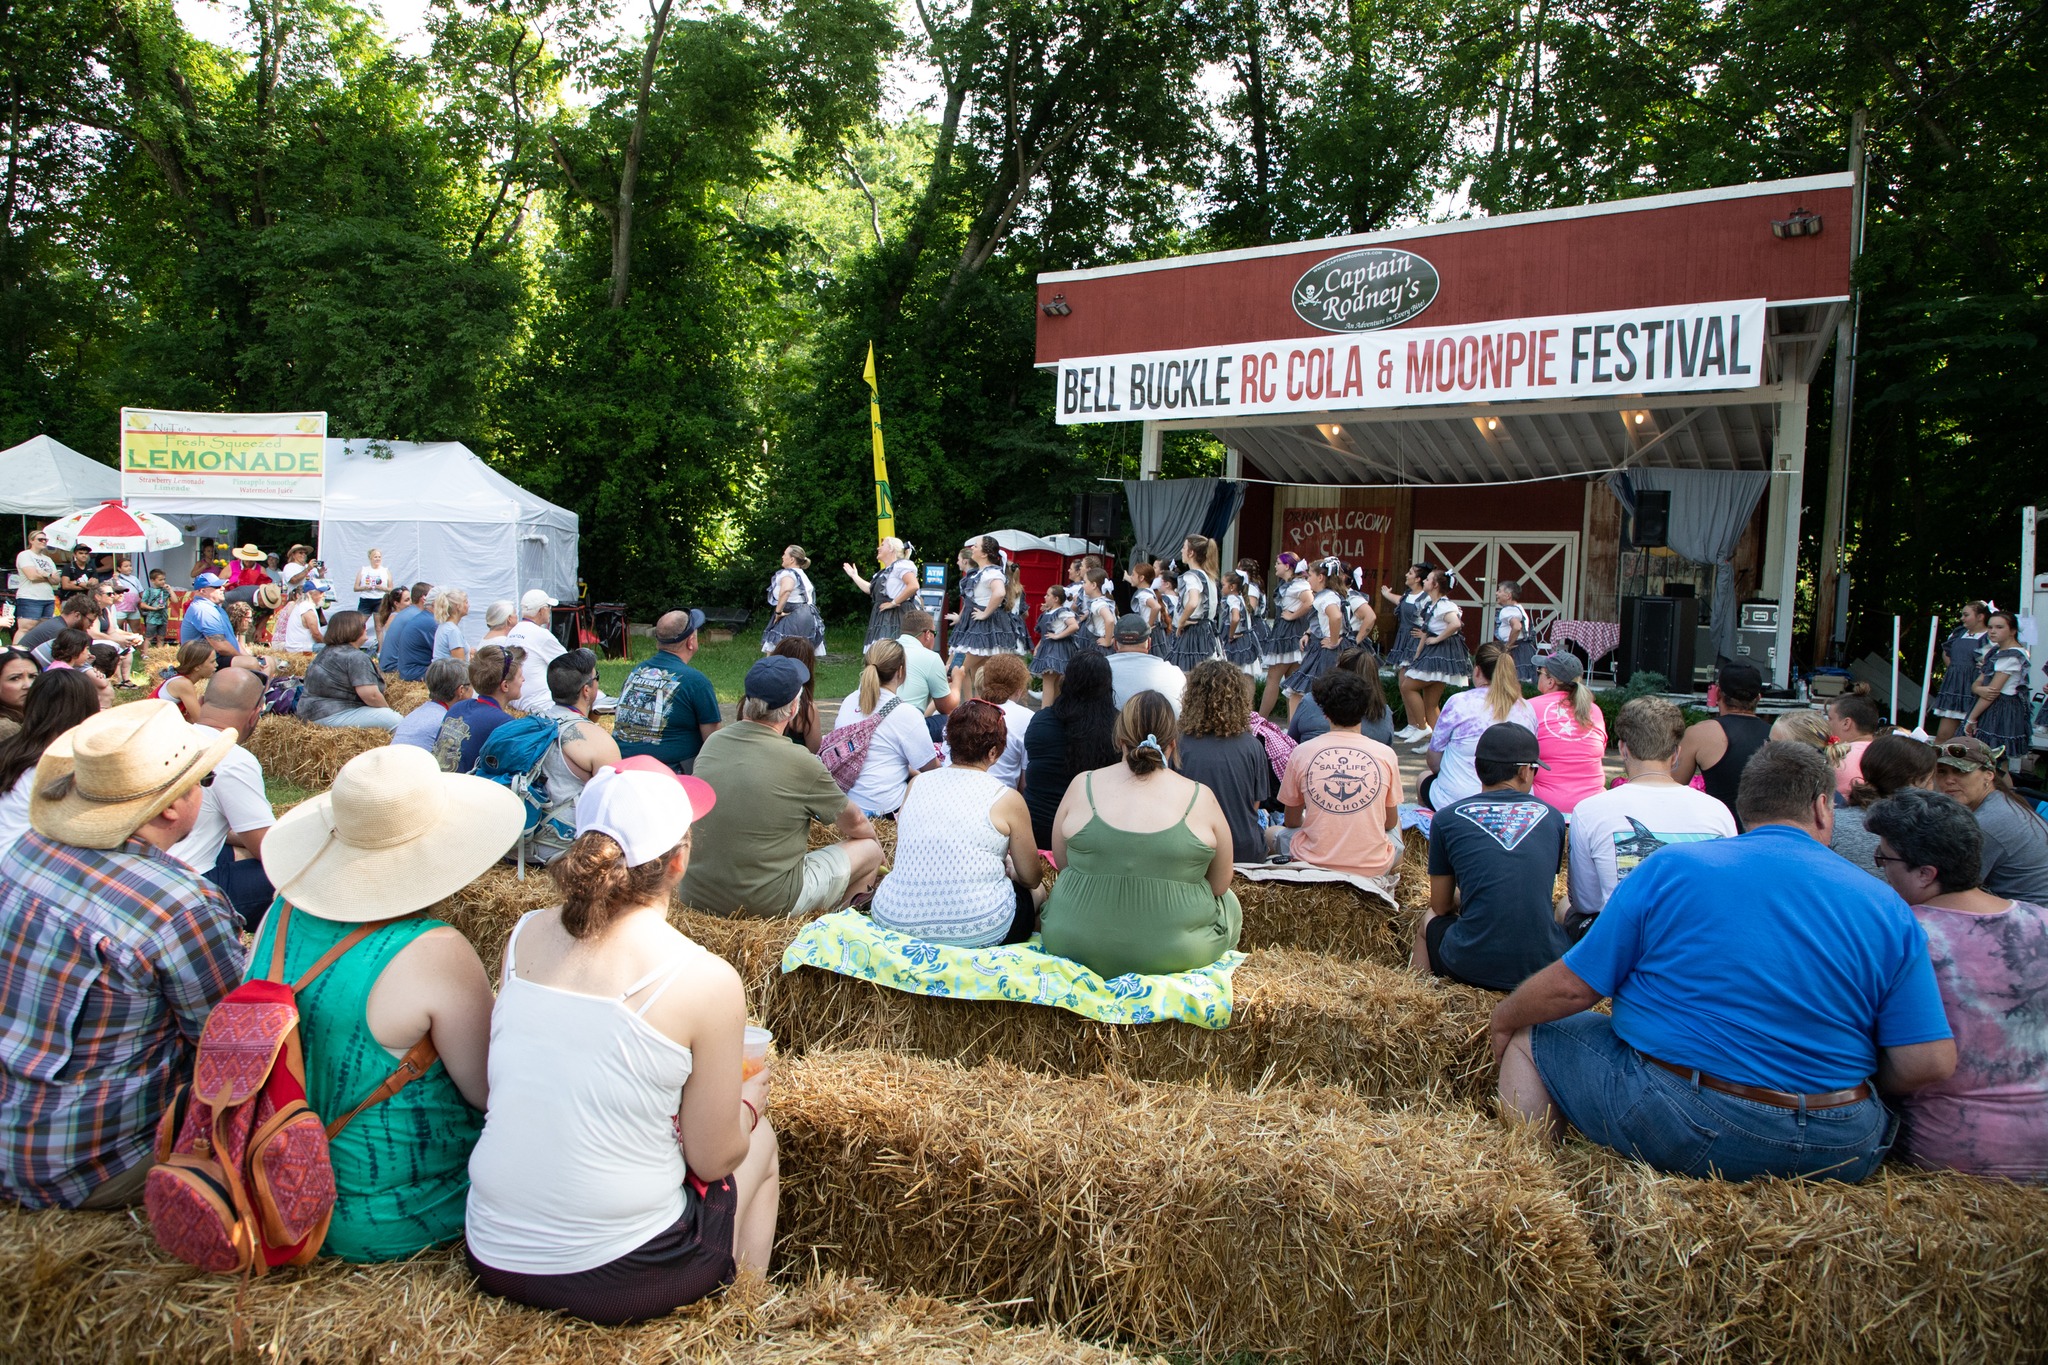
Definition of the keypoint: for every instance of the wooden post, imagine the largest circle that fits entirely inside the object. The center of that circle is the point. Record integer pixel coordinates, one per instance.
(1834, 510)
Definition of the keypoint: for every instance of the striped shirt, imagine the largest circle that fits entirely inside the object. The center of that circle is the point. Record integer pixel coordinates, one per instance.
(110, 961)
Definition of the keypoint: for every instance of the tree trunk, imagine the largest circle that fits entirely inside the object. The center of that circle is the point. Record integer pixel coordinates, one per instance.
(629, 172)
(1255, 100)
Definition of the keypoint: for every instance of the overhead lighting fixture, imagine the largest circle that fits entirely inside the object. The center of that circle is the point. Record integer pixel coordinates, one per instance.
(1635, 417)
(1331, 431)
(1800, 224)
(1488, 426)
(1057, 307)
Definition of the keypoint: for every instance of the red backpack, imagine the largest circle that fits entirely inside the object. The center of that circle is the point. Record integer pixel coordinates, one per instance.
(243, 1180)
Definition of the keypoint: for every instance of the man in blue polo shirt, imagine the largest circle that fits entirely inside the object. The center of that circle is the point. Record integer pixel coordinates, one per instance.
(408, 645)
(206, 619)
(667, 709)
(1764, 991)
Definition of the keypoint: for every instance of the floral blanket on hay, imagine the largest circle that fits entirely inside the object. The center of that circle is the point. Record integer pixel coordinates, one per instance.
(851, 944)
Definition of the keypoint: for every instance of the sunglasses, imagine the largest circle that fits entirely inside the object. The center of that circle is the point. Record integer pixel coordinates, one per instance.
(1891, 858)
(1969, 757)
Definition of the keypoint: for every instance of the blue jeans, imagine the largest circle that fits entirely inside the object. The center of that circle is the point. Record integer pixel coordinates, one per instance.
(33, 608)
(1620, 1099)
(246, 885)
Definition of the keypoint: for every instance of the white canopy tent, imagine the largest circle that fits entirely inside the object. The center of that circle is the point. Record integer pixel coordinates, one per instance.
(43, 477)
(438, 513)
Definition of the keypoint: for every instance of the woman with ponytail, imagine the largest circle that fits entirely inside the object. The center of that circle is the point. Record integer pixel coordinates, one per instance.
(1145, 857)
(627, 1166)
(794, 604)
(1439, 656)
(1293, 600)
(988, 621)
(1495, 698)
(1571, 734)
(899, 746)
(1326, 632)
(1195, 635)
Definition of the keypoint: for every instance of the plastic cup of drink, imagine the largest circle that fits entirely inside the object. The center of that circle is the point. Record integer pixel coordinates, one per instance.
(754, 1051)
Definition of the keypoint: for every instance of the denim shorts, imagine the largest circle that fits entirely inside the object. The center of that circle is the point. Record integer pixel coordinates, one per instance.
(1621, 1099)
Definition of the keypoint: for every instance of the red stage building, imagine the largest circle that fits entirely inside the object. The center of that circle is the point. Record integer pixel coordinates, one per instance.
(1463, 393)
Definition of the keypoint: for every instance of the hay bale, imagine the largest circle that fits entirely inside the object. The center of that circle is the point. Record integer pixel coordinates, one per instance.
(309, 755)
(404, 697)
(1908, 1266)
(1181, 1218)
(1324, 917)
(486, 910)
(885, 834)
(1299, 1018)
(86, 1288)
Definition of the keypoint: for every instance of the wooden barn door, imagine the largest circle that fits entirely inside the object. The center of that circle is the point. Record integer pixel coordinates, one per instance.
(1545, 562)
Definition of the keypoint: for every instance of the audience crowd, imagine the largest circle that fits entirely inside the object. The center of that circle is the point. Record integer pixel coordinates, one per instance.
(1819, 943)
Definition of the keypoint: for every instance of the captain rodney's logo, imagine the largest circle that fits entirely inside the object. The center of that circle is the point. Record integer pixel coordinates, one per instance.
(1365, 290)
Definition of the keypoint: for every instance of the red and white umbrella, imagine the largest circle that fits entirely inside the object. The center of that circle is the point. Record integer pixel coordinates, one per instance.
(112, 527)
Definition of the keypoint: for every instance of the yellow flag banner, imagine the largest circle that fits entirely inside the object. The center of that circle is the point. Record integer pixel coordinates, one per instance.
(885, 506)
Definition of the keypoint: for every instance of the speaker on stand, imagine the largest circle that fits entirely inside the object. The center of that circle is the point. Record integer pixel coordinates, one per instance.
(1095, 517)
(1658, 635)
(1650, 527)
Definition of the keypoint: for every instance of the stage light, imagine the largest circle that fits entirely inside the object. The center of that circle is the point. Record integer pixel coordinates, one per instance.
(1058, 307)
(1800, 224)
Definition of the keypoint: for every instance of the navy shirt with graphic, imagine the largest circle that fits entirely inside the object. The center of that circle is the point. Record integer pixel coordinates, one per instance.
(1504, 849)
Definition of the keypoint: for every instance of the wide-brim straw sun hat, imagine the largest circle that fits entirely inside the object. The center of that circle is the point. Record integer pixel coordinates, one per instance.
(117, 770)
(249, 553)
(393, 835)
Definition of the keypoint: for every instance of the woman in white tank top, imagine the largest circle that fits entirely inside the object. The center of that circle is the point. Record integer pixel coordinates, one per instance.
(967, 871)
(625, 1165)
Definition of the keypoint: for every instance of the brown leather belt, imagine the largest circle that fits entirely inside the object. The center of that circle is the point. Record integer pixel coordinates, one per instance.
(1833, 1099)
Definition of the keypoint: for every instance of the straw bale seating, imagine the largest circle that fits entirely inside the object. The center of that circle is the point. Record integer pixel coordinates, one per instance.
(1178, 1217)
(309, 755)
(79, 1288)
(1907, 1266)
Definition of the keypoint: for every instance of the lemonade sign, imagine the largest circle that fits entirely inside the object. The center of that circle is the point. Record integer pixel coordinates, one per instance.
(224, 456)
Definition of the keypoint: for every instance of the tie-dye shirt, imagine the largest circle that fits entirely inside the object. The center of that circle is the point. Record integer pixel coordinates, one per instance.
(1991, 1116)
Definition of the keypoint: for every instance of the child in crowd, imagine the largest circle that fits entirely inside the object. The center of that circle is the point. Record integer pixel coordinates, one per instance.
(156, 608)
(1057, 628)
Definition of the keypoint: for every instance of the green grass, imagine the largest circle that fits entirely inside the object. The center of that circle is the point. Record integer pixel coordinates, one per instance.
(283, 793)
(726, 662)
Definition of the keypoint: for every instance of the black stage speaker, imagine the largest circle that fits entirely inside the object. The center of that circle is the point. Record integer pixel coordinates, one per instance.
(1657, 636)
(1652, 521)
(1095, 516)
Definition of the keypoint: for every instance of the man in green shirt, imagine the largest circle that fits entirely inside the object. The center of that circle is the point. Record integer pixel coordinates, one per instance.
(667, 709)
(925, 684)
(750, 858)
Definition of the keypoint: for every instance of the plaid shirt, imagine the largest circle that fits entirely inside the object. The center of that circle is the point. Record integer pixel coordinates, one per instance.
(110, 961)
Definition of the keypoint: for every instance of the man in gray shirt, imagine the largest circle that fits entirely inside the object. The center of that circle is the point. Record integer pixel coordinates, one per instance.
(1134, 668)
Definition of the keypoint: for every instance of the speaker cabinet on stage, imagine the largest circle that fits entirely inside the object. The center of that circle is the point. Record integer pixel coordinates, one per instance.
(1651, 527)
(1657, 636)
(1095, 516)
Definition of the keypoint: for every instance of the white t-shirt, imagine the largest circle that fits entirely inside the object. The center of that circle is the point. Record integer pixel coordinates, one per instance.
(1008, 768)
(1459, 725)
(1504, 619)
(542, 649)
(291, 571)
(899, 747)
(14, 810)
(1130, 674)
(298, 628)
(29, 590)
(1613, 832)
(376, 581)
(235, 801)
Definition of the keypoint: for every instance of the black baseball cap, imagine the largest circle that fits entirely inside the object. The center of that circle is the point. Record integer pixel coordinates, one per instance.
(1131, 628)
(696, 620)
(1508, 742)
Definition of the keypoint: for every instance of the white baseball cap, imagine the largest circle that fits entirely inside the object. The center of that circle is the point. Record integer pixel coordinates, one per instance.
(534, 600)
(645, 806)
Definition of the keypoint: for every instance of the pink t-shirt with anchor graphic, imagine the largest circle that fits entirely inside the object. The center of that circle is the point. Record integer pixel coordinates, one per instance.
(1345, 784)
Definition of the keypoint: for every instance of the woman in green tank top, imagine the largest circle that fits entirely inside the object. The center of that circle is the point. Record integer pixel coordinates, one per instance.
(393, 836)
(1136, 893)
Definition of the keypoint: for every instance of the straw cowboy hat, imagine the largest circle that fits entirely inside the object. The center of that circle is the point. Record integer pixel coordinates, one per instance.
(267, 597)
(249, 554)
(117, 770)
(393, 835)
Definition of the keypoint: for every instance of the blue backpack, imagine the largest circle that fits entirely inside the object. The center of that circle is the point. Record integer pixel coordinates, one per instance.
(513, 756)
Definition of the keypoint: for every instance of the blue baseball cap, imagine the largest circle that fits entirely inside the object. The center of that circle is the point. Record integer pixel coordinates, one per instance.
(208, 580)
(776, 680)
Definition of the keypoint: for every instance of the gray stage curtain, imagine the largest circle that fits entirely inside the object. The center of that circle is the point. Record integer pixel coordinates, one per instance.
(1710, 509)
(1165, 512)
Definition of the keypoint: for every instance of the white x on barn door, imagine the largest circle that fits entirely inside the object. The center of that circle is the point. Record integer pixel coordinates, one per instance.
(1546, 563)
